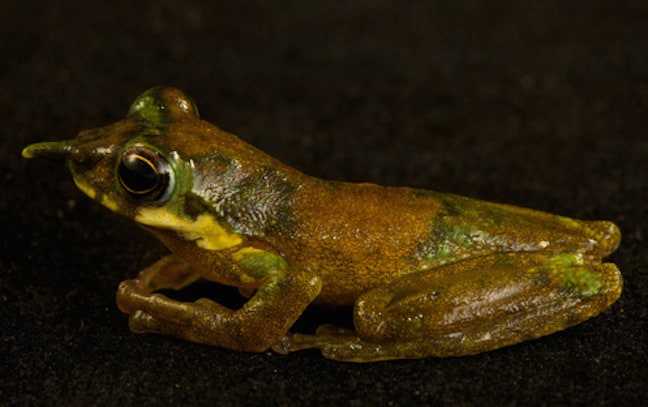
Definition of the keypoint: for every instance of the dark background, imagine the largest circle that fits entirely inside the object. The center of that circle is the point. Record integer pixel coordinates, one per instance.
(543, 105)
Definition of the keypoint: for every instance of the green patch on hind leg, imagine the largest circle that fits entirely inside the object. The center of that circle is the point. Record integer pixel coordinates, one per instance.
(582, 282)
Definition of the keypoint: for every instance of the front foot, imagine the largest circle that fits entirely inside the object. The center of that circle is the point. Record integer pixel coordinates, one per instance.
(156, 313)
(279, 299)
(170, 272)
(151, 312)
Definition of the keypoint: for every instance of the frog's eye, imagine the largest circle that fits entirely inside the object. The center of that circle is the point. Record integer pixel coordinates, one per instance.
(144, 174)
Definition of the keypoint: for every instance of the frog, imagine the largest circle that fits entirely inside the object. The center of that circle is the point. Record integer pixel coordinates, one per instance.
(421, 273)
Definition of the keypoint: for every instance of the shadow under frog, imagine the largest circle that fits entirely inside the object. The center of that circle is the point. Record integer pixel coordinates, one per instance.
(425, 273)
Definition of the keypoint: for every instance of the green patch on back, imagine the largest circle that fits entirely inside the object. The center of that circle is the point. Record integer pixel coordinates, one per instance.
(452, 238)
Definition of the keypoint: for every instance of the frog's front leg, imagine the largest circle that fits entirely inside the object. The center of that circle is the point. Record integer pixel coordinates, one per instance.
(280, 298)
(170, 272)
(470, 307)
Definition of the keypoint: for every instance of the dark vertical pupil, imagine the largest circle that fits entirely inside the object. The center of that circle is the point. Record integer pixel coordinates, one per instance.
(138, 173)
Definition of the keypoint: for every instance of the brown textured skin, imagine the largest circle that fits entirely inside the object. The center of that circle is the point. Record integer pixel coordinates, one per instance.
(372, 234)
(427, 274)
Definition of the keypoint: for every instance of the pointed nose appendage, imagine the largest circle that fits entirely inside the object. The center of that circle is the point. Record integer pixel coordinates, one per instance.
(54, 150)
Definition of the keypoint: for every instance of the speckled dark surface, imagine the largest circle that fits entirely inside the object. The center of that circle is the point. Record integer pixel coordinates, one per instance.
(542, 105)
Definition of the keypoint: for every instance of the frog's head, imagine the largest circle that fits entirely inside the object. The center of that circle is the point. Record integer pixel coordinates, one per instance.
(131, 163)
(166, 169)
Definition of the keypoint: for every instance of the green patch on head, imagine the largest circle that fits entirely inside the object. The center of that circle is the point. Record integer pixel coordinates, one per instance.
(160, 104)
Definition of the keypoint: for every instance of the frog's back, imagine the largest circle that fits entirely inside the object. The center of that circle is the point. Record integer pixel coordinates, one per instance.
(360, 236)
(354, 236)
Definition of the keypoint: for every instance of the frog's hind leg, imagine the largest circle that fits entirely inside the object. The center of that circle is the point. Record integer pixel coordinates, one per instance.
(471, 306)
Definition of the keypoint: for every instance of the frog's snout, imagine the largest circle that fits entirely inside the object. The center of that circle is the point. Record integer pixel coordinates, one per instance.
(55, 150)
